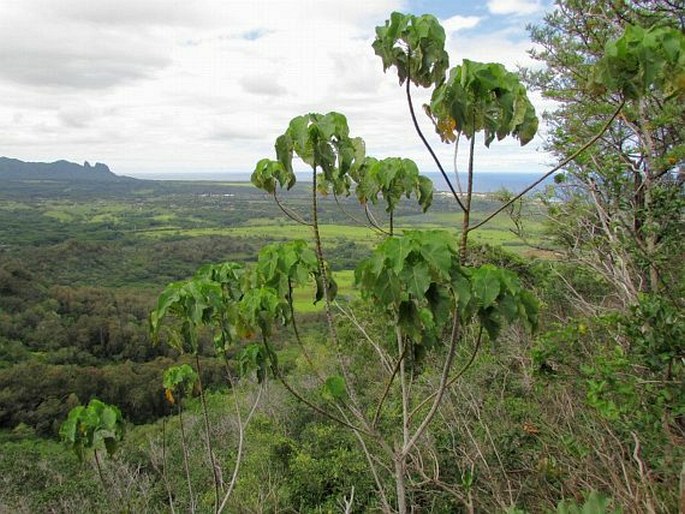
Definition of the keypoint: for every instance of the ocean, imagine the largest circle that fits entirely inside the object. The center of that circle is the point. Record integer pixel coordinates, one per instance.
(485, 182)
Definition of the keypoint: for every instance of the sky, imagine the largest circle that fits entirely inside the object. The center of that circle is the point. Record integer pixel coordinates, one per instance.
(183, 86)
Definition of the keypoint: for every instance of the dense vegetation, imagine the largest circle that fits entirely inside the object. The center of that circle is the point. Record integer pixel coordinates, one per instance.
(455, 376)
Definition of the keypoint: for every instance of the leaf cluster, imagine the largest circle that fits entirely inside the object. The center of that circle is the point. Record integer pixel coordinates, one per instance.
(320, 141)
(179, 379)
(482, 97)
(392, 178)
(642, 59)
(415, 46)
(418, 280)
(91, 426)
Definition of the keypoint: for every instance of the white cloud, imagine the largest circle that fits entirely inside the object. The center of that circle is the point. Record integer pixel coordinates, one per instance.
(516, 7)
(208, 84)
(262, 84)
(456, 23)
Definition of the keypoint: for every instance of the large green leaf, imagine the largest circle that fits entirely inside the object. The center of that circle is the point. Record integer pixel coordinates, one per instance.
(392, 178)
(482, 97)
(486, 285)
(641, 59)
(320, 141)
(414, 45)
(97, 424)
(180, 378)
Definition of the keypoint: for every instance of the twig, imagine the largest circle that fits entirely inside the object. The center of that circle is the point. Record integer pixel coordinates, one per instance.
(241, 439)
(346, 213)
(441, 387)
(381, 353)
(290, 213)
(277, 373)
(387, 387)
(373, 222)
(553, 170)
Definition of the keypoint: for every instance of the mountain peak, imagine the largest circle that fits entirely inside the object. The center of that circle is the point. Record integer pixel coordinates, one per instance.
(61, 170)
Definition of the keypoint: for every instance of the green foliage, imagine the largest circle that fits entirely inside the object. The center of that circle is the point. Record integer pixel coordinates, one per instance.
(323, 468)
(193, 303)
(333, 388)
(417, 278)
(642, 59)
(393, 178)
(320, 141)
(95, 425)
(268, 173)
(482, 97)
(411, 277)
(251, 358)
(283, 266)
(656, 329)
(180, 380)
(415, 46)
(208, 299)
(638, 385)
(261, 308)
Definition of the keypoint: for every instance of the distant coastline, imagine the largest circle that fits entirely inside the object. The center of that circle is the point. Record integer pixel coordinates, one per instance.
(486, 182)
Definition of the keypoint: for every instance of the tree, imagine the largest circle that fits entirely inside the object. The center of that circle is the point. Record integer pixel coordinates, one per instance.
(416, 281)
(210, 299)
(619, 206)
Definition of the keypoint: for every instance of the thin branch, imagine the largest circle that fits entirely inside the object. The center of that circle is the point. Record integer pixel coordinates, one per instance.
(290, 213)
(381, 353)
(376, 478)
(469, 194)
(212, 459)
(423, 138)
(346, 213)
(326, 299)
(186, 466)
(387, 388)
(241, 440)
(373, 222)
(277, 373)
(293, 322)
(553, 170)
(456, 167)
(165, 476)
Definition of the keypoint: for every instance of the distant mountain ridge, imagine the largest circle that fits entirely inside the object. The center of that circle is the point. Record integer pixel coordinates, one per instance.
(63, 171)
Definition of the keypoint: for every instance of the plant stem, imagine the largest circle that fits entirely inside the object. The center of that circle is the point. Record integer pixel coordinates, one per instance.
(293, 321)
(241, 439)
(386, 391)
(441, 387)
(165, 476)
(184, 444)
(400, 470)
(467, 212)
(426, 144)
(455, 377)
(208, 440)
(97, 465)
(324, 282)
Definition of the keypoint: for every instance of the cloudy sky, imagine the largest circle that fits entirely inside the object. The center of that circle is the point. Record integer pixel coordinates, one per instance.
(179, 86)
